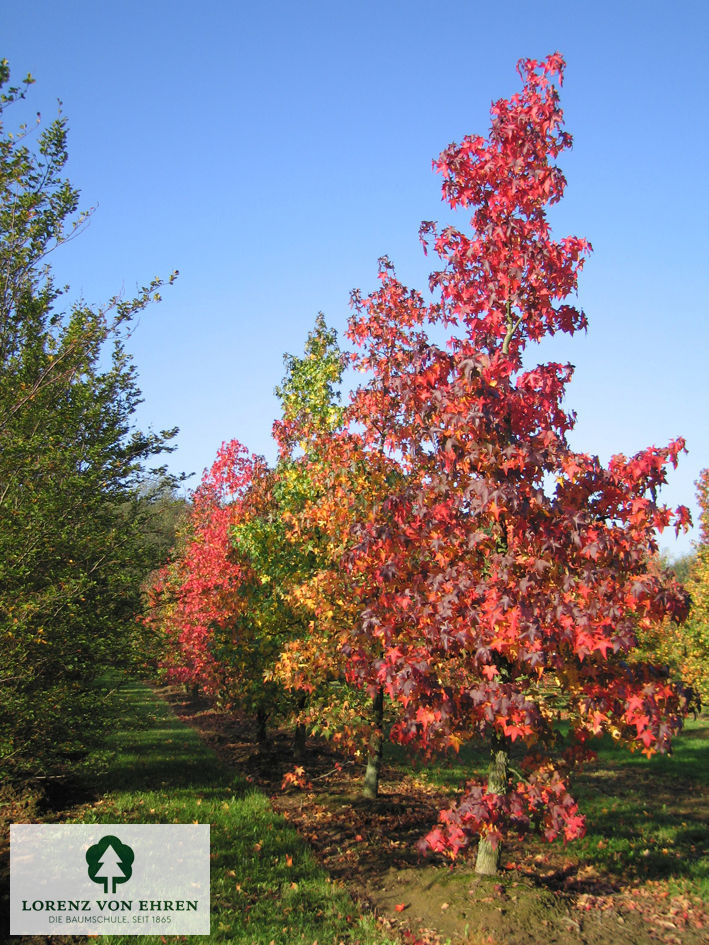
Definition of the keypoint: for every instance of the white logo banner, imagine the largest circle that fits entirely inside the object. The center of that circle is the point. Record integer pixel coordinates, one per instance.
(109, 879)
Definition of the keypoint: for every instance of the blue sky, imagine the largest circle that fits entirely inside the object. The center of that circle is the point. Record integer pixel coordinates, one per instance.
(272, 152)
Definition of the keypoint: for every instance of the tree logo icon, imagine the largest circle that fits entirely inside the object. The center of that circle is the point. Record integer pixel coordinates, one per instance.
(110, 862)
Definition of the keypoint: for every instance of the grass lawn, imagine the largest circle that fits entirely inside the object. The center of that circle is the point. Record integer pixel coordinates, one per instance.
(266, 886)
(646, 817)
(640, 875)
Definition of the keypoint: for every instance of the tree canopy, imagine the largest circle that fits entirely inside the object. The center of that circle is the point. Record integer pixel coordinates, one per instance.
(73, 515)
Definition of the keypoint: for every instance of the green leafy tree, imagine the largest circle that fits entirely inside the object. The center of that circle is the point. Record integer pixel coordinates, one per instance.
(72, 517)
(329, 484)
(164, 513)
(281, 558)
(684, 647)
(695, 649)
(682, 566)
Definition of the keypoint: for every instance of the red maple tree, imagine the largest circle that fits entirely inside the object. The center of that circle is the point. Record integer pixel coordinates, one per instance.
(505, 576)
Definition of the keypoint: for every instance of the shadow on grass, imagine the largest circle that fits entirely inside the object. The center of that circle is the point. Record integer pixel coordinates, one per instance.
(646, 818)
(150, 749)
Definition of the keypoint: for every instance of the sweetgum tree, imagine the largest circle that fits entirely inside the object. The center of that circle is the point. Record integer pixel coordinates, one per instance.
(201, 599)
(325, 483)
(283, 556)
(694, 660)
(227, 603)
(504, 578)
(693, 655)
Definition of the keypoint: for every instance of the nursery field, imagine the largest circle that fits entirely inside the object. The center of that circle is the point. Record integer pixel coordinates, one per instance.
(428, 560)
(314, 861)
(454, 613)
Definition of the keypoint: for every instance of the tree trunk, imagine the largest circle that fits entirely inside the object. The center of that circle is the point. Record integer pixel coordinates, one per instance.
(376, 745)
(488, 859)
(300, 731)
(299, 742)
(261, 733)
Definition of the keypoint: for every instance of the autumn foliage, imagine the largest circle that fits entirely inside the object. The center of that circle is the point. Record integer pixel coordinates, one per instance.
(199, 598)
(685, 647)
(464, 562)
(509, 570)
(694, 660)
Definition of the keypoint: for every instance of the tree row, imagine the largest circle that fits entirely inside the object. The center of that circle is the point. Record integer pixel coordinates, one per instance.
(431, 561)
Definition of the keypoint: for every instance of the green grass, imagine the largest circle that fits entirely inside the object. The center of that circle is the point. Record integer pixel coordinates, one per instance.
(646, 818)
(265, 883)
